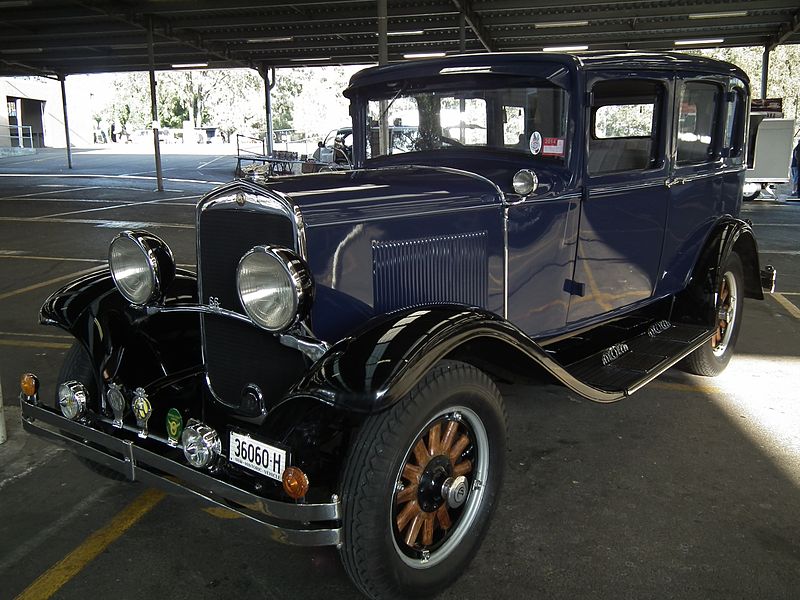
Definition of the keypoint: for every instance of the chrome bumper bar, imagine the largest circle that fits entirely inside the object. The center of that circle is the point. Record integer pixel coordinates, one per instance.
(294, 524)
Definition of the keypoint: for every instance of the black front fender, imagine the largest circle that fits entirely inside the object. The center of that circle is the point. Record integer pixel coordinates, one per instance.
(122, 339)
(373, 369)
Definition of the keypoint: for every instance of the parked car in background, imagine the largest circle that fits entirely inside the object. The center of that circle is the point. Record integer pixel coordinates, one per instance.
(331, 368)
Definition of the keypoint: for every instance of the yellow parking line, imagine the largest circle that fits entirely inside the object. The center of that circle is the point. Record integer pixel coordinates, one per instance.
(29, 344)
(49, 282)
(790, 308)
(60, 573)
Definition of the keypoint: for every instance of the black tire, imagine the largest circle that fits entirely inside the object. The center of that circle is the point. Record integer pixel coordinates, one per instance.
(457, 401)
(751, 197)
(711, 359)
(78, 367)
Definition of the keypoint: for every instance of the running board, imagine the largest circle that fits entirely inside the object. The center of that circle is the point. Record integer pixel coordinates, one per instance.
(627, 366)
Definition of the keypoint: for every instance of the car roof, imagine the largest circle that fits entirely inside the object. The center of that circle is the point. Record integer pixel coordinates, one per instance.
(520, 63)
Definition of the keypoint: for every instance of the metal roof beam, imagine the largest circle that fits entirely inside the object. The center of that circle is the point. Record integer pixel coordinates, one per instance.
(786, 31)
(474, 22)
(245, 20)
(642, 7)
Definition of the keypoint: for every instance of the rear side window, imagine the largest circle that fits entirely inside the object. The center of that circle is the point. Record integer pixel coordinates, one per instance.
(734, 123)
(624, 126)
(697, 119)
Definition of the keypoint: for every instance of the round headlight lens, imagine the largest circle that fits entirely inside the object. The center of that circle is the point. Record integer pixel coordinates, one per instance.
(141, 265)
(72, 399)
(201, 444)
(273, 285)
(525, 182)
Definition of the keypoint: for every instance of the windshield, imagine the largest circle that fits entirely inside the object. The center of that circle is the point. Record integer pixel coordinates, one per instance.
(530, 120)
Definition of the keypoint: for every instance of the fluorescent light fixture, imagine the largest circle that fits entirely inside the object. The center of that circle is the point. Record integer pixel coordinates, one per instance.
(15, 3)
(425, 55)
(414, 32)
(267, 40)
(189, 65)
(564, 48)
(316, 58)
(555, 24)
(720, 15)
(699, 42)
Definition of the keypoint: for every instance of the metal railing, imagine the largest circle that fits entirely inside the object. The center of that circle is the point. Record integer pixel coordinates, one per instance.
(16, 136)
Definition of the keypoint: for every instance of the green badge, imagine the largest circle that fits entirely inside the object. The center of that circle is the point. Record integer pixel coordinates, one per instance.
(174, 425)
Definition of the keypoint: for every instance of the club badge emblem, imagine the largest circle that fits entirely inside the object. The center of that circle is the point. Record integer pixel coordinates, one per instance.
(174, 426)
(142, 410)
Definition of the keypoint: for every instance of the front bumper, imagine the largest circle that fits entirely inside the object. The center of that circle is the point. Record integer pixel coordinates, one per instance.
(295, 524)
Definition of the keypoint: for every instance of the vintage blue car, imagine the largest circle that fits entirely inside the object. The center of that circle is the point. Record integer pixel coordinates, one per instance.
(331, 368)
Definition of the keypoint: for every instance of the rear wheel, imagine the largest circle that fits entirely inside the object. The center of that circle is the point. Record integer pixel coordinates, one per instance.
(712, 358)
(78, 367)
(421, 482)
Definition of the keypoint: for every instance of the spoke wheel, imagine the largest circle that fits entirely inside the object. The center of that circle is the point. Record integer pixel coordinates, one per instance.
(439, 487)
(420, 483)
(711, 359)
(726, 313)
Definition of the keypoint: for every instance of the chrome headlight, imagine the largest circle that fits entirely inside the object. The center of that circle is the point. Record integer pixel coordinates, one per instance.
(72, 399)
(201, 444)
(275, 287)
(141, 265)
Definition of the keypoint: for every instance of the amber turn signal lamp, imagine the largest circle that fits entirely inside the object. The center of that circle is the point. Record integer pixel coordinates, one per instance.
(29, 384)
(295, 483)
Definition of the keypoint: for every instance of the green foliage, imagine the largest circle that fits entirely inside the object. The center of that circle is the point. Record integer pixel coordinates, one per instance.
(308, 100)
(784, 72)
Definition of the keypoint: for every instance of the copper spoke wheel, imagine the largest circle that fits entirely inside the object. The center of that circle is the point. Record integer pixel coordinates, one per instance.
(726, 313)
(437, 490)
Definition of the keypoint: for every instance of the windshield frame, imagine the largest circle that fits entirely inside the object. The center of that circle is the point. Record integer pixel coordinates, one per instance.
(565, 79)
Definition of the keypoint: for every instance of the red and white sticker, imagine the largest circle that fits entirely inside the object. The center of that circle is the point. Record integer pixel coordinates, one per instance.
(553, 146)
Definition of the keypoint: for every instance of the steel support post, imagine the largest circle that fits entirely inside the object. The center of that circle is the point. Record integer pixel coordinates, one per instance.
(154, 105)
(764, 72)
(383, 59)
(63, 79)
(269, 83)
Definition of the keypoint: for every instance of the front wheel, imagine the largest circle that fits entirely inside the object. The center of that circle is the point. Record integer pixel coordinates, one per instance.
(420, 484)
(711, 359)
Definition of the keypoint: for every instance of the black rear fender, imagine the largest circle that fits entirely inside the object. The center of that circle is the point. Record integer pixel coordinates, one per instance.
(696, 302)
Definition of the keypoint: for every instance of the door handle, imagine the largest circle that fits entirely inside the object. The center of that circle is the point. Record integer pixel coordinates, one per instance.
(674, 181)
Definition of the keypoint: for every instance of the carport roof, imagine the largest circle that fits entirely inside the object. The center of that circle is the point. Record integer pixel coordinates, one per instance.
(69, 36)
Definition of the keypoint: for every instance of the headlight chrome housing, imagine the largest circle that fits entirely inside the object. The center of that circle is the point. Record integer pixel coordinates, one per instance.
(275, 287)
(142, 266)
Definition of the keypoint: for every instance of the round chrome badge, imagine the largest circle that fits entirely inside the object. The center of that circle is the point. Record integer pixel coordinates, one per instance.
(240, 198)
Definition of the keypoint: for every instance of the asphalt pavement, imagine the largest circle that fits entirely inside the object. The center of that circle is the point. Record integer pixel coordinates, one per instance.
(690, 489)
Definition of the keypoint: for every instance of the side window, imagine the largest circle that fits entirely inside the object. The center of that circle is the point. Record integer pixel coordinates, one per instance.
(697, 120)
(734, 124)
(624, 126)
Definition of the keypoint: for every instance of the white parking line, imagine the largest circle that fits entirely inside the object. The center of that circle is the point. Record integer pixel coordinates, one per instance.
(114, 206)
(78, 189)
(95, 176)
(100, 223)
(47, 283)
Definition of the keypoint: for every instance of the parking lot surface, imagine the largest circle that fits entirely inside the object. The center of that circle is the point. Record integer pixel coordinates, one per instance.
(689, 489)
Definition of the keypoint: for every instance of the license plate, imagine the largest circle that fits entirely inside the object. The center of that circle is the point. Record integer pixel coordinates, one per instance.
(257, 456)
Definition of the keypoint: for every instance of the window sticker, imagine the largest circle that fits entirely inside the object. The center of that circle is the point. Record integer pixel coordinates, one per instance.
(535, 143)
(553, 146)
